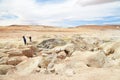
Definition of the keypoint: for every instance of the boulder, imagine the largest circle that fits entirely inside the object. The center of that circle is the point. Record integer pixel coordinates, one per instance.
(5, 68)
(51, 43)
(44, 62)
(59, 68)
(27, 66)
(3, 55)
(47, 52)
(61, 51)
(3, 60)
(69, 49)
(63, 69)
(79, 44)
(77, 60)
(33, 48)
(39, 53)
(15, 60)
(58, 49)
(69, 72)
(28, 52)
(92, 40)
(107, 48)
(43, 71)
(95, 59)
(47, 60)
(61, 55)
(83, 43)
(116, 48)
(112, 63)
(112, 49)
(87, 59)
(3, 50)
(14, 52)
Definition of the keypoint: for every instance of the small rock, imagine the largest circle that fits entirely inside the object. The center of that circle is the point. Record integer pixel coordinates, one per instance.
(5, 68)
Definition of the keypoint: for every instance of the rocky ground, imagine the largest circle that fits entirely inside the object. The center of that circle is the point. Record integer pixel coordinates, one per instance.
(59, 53)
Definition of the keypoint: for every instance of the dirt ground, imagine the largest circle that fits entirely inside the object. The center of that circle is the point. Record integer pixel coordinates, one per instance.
(13, 34)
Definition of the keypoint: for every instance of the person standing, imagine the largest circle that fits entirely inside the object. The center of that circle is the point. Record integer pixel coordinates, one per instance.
(30, 38)
(24, 39)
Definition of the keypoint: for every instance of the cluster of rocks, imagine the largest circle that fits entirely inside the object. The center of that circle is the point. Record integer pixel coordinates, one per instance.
(10, 58)
(34, 58)
(60, 57)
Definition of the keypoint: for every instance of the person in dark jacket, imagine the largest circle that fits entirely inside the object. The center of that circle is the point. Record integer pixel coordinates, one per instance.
(30, 38)
(24, 39)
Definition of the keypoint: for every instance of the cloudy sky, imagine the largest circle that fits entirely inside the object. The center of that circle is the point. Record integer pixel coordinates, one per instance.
(63, 13)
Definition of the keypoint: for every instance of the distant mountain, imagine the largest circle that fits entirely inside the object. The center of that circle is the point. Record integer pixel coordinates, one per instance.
(99, 26)
(42, 26)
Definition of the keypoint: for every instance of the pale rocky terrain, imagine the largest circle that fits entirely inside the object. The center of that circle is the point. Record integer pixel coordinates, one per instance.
(78, 53)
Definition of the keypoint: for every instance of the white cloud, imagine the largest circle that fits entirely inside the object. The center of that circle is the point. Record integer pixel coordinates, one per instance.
(93, 2)
(31, 12)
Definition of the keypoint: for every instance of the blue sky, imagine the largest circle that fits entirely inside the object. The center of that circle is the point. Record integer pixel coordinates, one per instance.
(64, 13)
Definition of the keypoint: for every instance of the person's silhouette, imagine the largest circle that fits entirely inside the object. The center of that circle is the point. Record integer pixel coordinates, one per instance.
(24, 39)
(30, 38)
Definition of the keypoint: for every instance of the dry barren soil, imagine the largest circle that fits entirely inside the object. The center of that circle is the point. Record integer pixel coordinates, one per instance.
(96, 54)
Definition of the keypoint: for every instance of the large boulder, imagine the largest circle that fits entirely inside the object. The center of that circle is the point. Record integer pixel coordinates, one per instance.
(112, 63)
(116, 53)
(63, 69)
(107, 48)
(48, 60)
(3, 55)
(28, 52)
(61, 51)
(14, 52)
(88, 59)
(112, 49)
(27, 66)
(33, 48)
(95, 59)
(68, 49)
(51, 43)
(15, 60)
(5, 68)
(83, 44)
(16, 55)
(77, 60)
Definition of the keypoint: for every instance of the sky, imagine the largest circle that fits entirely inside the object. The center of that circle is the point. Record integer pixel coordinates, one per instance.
(64, 13)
